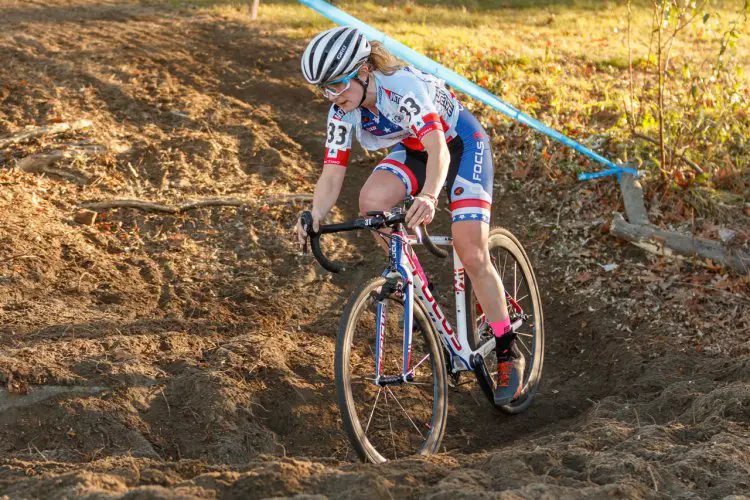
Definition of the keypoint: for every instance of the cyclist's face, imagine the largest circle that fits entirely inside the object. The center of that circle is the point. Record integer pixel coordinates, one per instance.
(349, 98)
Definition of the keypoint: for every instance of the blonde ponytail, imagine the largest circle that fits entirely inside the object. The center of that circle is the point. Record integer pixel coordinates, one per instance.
(383, 61)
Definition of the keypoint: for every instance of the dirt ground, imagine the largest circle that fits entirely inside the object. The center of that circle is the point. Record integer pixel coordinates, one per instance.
(150, 355)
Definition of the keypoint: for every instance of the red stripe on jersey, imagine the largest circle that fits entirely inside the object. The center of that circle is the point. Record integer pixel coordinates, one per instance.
(406, 170)
(431, 117)
(470, 202)
(413, 143)
(337, 157)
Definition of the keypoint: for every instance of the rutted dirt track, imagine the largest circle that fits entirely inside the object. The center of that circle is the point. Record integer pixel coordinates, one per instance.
(152, 355)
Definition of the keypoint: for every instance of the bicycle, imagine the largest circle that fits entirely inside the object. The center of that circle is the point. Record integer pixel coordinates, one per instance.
(387, 303)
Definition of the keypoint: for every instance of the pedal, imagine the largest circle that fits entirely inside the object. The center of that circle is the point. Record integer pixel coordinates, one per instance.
(454, 380)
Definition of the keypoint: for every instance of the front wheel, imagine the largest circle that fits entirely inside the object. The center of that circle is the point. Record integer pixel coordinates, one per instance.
(385, 422)
(524, 303)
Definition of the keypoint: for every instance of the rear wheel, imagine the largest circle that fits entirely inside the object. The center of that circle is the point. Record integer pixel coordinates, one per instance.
(395, 420)
(524, 303)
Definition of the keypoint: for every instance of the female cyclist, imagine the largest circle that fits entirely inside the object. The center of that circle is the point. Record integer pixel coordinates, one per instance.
(384, 103)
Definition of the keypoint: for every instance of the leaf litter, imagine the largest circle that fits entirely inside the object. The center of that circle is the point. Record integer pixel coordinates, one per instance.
(214, 339)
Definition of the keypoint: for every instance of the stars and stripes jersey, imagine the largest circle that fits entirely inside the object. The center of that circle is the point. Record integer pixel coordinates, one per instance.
(410, 104)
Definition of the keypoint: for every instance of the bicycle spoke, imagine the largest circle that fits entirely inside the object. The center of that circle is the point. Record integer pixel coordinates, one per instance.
(524, 346)
(398, 367)
(504, 262)
(405, 412)
(390, 425)
(363, 380)
(373, 410)
(525, 334)
(414, 369)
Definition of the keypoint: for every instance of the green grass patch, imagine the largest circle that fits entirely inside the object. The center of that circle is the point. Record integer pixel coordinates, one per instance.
(564, 62)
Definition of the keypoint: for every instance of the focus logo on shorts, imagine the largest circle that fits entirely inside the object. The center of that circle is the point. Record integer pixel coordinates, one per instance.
(478, 160)
(458, 191)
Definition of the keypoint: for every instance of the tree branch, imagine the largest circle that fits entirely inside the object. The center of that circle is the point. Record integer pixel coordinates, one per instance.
(148, 206)
(655, 240)
(57, 128)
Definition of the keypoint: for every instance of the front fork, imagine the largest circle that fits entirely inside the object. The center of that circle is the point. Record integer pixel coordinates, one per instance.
(398, 264)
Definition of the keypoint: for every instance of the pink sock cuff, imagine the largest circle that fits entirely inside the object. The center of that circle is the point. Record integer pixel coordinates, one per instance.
(500, 328)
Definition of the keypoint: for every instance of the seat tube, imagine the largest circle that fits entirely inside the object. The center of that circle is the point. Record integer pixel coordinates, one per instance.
(459, 288)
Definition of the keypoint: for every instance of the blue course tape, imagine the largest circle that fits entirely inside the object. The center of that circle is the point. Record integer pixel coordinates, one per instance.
(460, 83)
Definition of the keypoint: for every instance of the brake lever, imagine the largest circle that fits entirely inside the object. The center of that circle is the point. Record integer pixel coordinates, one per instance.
(418, 232)
(306, 219)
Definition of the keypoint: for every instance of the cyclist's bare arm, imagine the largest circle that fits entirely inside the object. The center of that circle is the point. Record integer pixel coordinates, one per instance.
(327, 192)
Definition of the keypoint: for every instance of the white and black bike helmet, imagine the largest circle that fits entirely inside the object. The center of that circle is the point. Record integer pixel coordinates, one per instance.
(334, 52)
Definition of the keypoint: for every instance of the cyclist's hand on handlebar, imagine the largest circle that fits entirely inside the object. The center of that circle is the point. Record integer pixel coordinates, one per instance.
(422, 210)
(302, 234)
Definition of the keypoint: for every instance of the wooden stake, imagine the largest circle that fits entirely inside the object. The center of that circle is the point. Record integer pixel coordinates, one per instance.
(655, 240)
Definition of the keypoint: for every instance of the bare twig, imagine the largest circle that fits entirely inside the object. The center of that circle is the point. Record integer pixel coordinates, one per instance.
(191, 205)
(57, 128)
(14, 257)
(653, 478)
(682, 157)
(630, 114)
(140, 205)
(660, 102)
(42, 162)
(166, 401)
(31, 444)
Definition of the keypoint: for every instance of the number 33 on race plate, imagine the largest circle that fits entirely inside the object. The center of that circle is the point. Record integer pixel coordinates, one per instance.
(339, 135)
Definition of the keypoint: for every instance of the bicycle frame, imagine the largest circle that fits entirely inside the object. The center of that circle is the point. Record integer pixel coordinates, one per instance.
(404, 262)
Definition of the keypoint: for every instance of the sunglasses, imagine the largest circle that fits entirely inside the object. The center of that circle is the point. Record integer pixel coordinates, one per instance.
(329, 89)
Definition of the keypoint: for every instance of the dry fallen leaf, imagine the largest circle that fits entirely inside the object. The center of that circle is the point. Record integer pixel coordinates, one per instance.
(583, 277)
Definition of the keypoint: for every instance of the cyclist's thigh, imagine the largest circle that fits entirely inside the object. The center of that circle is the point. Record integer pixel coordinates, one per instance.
(398, 174)
(470, 190)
